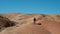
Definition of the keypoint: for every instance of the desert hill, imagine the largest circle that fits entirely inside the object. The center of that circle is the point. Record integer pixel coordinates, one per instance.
(50, 24)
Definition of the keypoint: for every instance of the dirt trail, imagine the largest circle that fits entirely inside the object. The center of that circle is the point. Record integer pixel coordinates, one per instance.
(28, 29)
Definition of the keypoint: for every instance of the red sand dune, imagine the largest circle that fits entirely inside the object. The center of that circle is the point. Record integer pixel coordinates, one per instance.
(51, 25)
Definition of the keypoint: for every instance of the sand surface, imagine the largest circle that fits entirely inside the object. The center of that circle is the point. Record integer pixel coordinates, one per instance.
(45, 24)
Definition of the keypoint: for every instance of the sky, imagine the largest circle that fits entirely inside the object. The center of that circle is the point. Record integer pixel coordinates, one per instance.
(30, 6)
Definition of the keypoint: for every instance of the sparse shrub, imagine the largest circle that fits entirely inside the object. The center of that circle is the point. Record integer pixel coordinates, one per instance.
(5, 22)
(43, 15)
(57, 15)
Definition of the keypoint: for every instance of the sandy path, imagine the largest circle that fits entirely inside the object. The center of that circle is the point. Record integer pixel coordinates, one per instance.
(27, 29)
